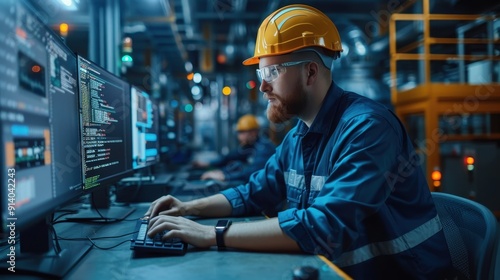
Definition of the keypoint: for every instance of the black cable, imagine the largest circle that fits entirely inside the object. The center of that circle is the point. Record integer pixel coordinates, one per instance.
(94, 220)
(107, 248)
(57, 246)
(99, 238)
(67, 212)
(98, 220)
(96, 238)
(96, 209)
(90, 220)
(52, 232)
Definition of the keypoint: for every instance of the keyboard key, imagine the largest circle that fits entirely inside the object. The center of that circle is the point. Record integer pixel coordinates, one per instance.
(144, 244)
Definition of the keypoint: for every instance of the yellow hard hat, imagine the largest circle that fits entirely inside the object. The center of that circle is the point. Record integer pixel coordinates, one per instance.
(292, 28)
(247, 122)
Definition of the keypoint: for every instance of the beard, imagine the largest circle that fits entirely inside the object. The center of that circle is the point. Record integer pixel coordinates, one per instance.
(283, 109)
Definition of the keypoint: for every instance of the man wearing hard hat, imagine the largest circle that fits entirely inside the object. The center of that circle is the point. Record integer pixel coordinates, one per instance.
(252, 154)
(354, 190)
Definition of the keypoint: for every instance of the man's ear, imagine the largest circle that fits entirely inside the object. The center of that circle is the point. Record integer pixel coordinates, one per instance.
(312, 72)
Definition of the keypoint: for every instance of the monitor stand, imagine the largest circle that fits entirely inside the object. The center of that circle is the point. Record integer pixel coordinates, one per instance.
(101, 209)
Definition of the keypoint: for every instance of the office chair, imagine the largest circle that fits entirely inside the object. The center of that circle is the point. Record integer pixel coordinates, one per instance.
(496, 258)
(471, 234)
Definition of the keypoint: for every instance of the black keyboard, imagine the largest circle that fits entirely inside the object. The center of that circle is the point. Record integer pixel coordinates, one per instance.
(143, 244)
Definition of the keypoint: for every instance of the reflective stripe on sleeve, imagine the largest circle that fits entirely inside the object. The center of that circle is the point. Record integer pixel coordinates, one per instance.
(395, 246)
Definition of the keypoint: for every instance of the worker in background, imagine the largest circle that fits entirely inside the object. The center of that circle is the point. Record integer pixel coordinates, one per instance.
(252, 154)
(353, 185)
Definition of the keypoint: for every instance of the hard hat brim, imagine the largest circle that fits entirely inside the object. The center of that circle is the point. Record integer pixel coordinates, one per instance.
(251, 61)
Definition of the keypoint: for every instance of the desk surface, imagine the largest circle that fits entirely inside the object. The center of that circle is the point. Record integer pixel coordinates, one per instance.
(206, 264)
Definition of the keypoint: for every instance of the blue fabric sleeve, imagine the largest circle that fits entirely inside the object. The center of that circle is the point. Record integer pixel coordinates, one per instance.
(354, 190)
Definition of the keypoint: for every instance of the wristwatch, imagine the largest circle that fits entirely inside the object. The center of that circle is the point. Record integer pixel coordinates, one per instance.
(220, 228)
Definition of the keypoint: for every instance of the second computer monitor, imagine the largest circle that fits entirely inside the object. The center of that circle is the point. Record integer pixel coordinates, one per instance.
(145, 129)
(105, 125)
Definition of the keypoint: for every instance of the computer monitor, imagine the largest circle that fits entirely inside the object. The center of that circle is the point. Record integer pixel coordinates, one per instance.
(105, 122)
(40, 136)
(145, 129)
(105, 125)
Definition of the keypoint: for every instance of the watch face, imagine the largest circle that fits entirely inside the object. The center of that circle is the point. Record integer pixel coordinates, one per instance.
(222, 223)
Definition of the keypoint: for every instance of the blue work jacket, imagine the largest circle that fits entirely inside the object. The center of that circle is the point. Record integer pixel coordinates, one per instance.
(354, 191)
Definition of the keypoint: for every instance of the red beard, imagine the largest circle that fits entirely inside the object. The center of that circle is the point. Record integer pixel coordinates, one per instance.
(283, 109)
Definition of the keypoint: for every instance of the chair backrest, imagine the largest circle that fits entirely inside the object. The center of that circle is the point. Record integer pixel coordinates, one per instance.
(496, 258)
(471, 231)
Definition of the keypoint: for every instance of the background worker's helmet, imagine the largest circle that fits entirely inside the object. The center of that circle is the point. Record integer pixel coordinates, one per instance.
(292, 28)
(247, 122)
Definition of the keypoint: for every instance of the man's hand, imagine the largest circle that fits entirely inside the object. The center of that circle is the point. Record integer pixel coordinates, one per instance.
(167, 205)
(213, 174)
(179, 227)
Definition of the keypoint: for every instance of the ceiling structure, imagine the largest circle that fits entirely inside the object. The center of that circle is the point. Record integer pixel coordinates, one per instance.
(214, 36)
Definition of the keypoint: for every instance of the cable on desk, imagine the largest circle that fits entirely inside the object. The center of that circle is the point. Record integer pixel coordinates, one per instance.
(107, 248)
(66, 212)
(90, 220)
(97, 238)
(99, 220)
(96, 208)
(57, 247)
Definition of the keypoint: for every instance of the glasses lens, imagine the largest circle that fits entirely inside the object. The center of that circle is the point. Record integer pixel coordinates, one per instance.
(268, 73)
(259, 75)
(263, 74)
(273, 73)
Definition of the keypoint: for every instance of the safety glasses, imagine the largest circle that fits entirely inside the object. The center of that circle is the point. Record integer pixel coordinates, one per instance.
(272, 72)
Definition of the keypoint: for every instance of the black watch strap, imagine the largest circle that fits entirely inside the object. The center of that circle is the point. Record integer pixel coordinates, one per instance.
(220, 228)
